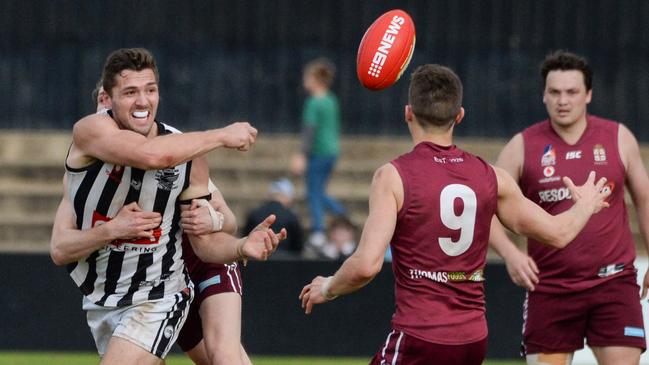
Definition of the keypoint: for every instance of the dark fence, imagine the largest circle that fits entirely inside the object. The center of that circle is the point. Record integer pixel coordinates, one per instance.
(41, 310)
(222, 60)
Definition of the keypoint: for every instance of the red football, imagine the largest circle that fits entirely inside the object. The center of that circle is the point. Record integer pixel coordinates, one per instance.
(385, 50)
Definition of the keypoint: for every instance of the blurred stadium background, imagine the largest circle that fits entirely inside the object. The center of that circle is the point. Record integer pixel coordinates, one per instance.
(230, 60)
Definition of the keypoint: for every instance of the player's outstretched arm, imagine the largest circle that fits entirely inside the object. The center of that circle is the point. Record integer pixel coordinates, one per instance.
(220, 247)
(69, 244)
(638, 184)
(386, 196)
(98, 136)
(223, 248)
(522, 216)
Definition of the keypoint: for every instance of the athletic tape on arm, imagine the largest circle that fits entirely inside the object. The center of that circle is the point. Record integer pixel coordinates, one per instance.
(217, 217)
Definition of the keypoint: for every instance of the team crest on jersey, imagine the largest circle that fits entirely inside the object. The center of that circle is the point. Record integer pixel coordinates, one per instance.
(599, 154)
(549, 156)
(167, 178)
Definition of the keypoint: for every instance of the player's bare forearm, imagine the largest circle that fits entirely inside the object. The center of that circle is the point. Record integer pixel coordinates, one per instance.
(499, 241)
(72, 245)
(175, 149)
(637, 180)
(360, 268)
(522, 216)
(69, 244)
(556, 231)
(218, 247)
(354, 274)
(223, 248)
(100, 137)
(641, 204)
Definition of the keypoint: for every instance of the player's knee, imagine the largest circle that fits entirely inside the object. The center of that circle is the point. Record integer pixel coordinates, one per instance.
(549, 359)
(224, 354)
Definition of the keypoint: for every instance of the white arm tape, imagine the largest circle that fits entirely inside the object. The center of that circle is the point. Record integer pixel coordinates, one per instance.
(217, 217)
(211, 187)
(325, 289)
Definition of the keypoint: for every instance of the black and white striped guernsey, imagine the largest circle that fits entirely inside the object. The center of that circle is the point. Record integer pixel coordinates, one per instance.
(125, 273)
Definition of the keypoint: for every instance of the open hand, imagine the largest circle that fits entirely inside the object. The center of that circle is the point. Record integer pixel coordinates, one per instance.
(522, 270)
(263, 241)
(592, 196)
(312, 294)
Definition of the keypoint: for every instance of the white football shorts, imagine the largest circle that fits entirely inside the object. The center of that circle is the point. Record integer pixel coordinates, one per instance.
(152, 325)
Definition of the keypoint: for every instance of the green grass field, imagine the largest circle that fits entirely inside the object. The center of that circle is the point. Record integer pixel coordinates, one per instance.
(54, 358)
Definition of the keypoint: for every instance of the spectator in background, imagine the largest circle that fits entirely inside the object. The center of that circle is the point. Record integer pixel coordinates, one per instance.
(341, 236)
(282, 194)
(320, 145)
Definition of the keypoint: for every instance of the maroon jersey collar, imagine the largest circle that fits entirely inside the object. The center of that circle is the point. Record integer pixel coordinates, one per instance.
(447, 150)
(584, 136)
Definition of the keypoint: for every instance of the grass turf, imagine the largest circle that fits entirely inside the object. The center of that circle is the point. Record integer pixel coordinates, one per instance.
(64, 358)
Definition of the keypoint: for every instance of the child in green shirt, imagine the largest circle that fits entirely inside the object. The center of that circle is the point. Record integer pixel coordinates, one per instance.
(320, 144)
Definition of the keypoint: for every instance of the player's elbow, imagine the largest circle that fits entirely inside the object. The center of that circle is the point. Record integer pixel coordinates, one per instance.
(59, 258)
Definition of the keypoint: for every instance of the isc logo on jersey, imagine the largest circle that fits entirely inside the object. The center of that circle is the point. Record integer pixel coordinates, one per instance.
(554, 195)
(573, 155)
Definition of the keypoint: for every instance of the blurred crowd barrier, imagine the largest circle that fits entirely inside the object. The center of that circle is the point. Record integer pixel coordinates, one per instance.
(31, 171)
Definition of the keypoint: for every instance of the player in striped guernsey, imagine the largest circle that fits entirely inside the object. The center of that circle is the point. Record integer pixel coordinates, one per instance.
(212, 332)
(136, 291)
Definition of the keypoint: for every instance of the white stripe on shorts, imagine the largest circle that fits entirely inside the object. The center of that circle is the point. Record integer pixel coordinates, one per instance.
(240, 288)
(387, 342)
(230, 276)
(396, 350)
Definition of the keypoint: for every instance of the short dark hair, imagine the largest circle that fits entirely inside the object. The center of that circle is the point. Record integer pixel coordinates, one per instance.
(136, 59)
(435, 95)
(567, 61)
(323, 69)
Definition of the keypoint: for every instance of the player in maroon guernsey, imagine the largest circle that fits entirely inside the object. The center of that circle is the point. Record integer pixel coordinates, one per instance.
(588, 290)
(434, 207)
(212, 331)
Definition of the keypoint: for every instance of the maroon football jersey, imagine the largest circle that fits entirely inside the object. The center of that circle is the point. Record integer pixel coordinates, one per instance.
(440, 243)
(604, 249)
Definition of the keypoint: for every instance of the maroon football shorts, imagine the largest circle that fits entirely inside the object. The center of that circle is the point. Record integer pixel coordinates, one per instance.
(209, 279)
(609, 314)
(402, 349)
